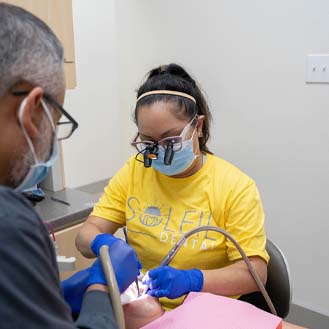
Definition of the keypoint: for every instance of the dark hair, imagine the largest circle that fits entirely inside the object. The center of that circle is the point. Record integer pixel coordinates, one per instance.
(174, 77)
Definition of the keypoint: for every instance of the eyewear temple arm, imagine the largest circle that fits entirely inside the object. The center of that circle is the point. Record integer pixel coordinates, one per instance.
(49, 99)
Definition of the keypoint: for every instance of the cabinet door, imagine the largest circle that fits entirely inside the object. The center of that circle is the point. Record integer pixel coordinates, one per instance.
(60, 19)
(58, 15)
(66, 247)
(37, 7)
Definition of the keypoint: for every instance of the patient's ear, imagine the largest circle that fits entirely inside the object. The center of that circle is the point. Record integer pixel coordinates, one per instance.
(31, 115)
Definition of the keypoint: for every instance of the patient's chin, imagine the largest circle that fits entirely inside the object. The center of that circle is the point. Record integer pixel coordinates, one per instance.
(141, 311)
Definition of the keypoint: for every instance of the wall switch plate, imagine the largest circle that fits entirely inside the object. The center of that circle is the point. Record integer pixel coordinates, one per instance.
(317, 68)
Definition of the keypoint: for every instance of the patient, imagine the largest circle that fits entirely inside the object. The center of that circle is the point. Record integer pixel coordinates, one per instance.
(142, 311)
(138, 311)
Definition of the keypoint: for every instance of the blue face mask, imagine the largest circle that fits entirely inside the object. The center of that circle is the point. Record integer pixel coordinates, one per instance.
(181, 161)
(39, 170)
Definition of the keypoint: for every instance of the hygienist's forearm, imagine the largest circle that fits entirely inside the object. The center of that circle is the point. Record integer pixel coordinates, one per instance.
(234, 279)
(93, 226)
(83, 240)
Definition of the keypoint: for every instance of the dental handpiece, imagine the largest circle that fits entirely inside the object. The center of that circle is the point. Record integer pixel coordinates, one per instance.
(168, 258)
(136, 281)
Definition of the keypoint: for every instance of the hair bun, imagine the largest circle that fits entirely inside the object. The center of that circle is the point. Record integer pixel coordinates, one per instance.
(157, 71)
(172, 69)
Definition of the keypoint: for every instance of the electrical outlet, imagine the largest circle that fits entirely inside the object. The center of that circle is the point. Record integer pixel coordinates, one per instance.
(317, 68)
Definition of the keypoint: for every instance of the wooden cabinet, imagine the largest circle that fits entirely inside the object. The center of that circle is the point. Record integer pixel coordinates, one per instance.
(66, 247)
(58, 15)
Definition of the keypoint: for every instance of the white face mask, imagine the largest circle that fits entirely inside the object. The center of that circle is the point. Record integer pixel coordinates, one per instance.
(39, 170)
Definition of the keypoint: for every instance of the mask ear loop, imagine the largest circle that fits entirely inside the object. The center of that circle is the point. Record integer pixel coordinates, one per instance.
(45, 107)
(50, 118)
(188, 126)
(27, 137)
(195, 155)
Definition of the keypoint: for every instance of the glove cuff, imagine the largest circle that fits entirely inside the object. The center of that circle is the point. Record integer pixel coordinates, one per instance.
(195, 279)
(100, 240)
(95, 281)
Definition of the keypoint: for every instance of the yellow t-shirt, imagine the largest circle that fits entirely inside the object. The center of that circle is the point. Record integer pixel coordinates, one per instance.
(158, 210)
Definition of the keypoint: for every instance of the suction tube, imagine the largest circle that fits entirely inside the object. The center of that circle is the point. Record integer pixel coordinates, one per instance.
(113, 286)
(171, 254)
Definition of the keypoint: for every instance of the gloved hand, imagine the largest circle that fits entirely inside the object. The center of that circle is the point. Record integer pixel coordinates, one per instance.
(166, 281)
(73, 289)
(76, 285)
(96, 274)
(124, 259)
(100, 240)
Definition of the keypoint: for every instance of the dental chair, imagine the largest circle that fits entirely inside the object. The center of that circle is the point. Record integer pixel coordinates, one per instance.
(277, 285)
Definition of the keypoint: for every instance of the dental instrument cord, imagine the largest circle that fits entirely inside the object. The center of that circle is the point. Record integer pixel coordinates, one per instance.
(136, 281)
(171, 254)
(112, 286)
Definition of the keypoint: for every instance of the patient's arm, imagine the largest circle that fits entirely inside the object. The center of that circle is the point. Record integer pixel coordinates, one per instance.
(141, 311)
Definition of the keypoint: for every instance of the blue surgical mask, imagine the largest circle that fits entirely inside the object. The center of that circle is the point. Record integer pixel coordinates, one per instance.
(39, 170)
(182, 160)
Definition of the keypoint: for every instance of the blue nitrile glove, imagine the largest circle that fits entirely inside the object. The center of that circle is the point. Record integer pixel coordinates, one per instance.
(100, 240)
(124, 259)
(96, 274)
(166, 281)
(73, 289)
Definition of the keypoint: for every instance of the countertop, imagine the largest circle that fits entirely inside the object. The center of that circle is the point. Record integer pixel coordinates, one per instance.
(71, 207)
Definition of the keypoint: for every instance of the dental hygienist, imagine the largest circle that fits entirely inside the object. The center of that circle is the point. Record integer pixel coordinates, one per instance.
(32, 88)
(174, 184)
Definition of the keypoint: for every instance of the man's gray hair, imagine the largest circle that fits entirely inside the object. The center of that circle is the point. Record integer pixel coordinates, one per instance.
(29, 52)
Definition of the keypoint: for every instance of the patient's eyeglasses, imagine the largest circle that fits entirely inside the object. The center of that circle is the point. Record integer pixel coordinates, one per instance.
(66, 124)
(176, 142)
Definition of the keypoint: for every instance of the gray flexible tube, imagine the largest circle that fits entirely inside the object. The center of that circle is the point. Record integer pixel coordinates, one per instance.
(171, 254)
(113, 286)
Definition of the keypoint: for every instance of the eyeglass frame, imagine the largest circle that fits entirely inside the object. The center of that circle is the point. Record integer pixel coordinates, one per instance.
(57, 106)
(151, 144)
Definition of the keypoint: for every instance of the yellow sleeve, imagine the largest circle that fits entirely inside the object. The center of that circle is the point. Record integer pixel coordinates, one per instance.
(112, 204)
(245, 221)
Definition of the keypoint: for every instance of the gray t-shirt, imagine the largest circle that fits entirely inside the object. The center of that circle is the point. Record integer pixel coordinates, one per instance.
(30, 292)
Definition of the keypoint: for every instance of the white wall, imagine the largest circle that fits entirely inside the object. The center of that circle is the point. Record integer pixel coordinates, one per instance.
(93, 152)
(249, 56)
